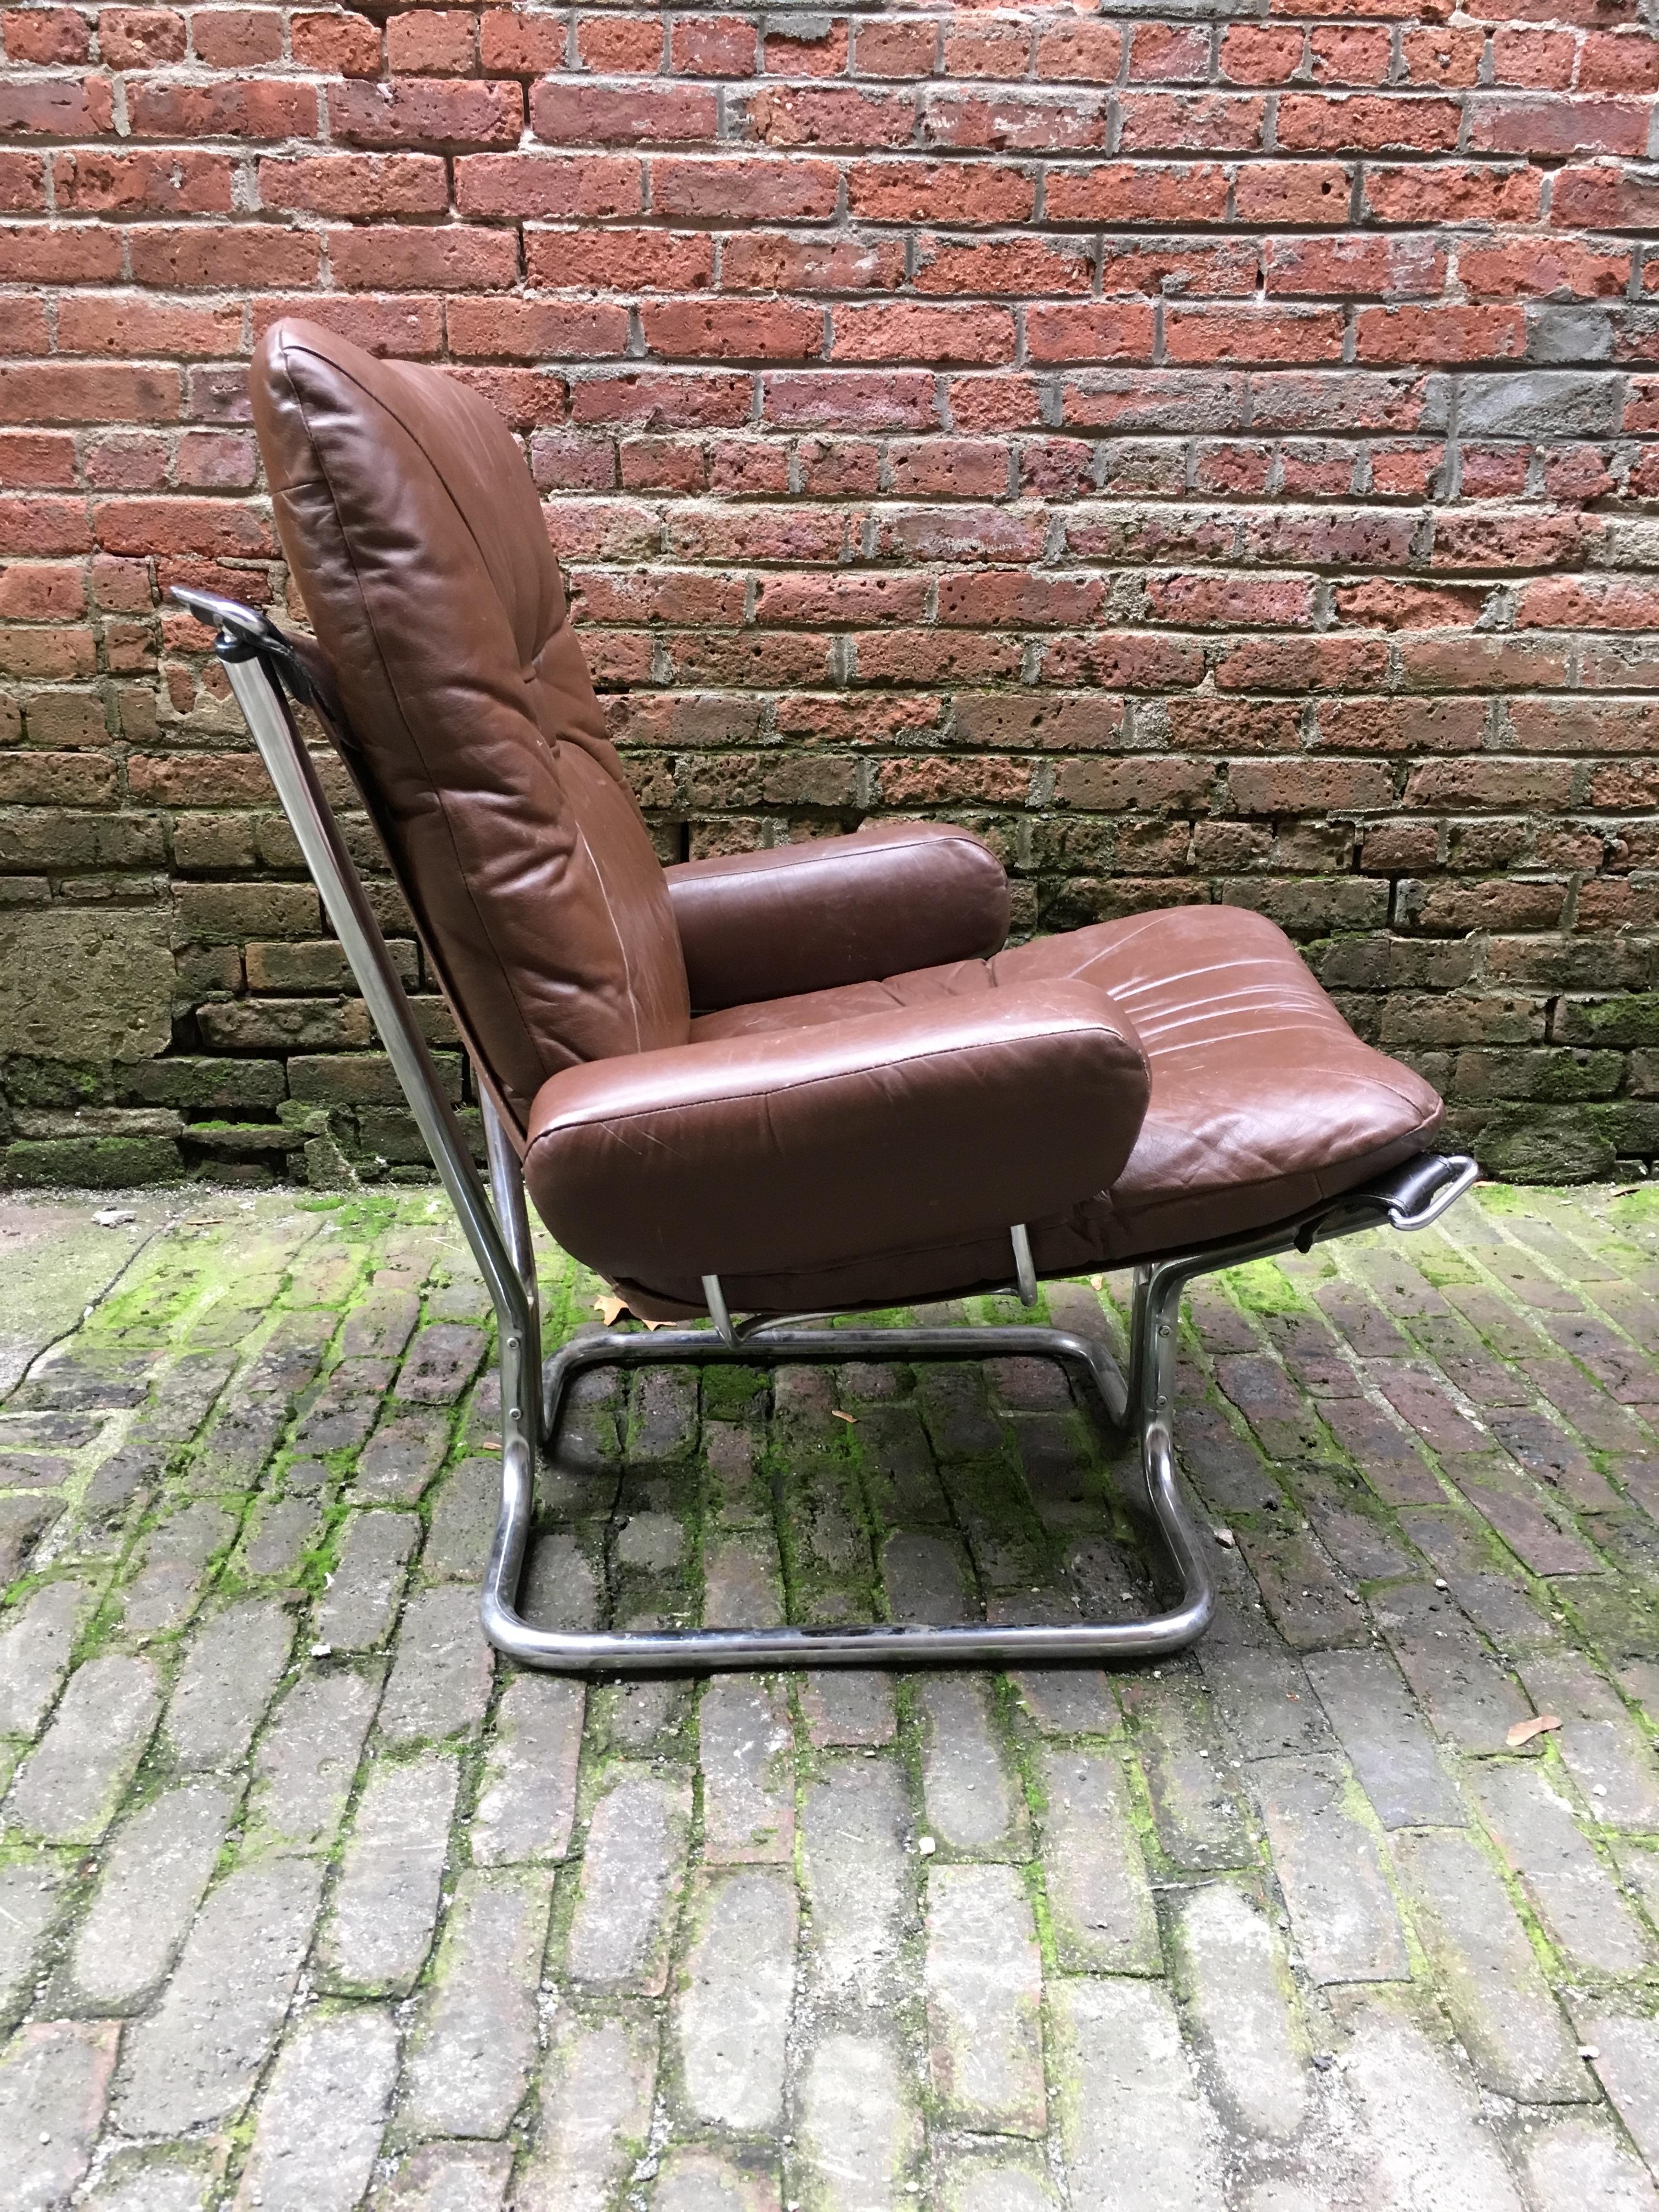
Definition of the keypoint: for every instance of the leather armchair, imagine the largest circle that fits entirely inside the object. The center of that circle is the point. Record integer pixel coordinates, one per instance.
(809, 1078)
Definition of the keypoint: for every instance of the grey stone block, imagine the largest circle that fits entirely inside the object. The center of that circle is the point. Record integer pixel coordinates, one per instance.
(87, 983)
(195, 2059)
(450, 2176)
(1419, 2135)
(35, 1654)
(32, 1898)
(319, 2124)
(1341, 1913)
(1581, 1910)
(155, 1872)
(1541, 404)
(1625, 2042)
(732, 2011)
(173, 1572)
(402, 1457)
(356, 1612)
(974, 1803)
(1578, 2164)
(474, 2043)
(1190, 1779)
(1467, 1697)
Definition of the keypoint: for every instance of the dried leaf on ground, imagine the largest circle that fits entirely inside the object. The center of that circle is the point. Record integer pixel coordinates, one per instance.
(1524, 1731)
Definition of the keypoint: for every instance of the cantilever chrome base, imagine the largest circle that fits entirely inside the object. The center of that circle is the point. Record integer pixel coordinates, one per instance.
(885, 1643)
(258, 660)
(1411, 1198)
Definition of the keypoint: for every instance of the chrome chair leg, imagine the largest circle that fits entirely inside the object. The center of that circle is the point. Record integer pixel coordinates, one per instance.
(258, 660)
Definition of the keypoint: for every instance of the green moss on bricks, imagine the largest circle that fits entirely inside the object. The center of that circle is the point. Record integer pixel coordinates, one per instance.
(1631, 1018)
(1265, 1288)
(732, 1394)
(1563, 1144)
(1566, 1077)
(90, 1163)
(48, 1083)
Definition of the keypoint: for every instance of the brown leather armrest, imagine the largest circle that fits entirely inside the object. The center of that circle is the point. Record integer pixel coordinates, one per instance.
(836, 910)
(799, 1148)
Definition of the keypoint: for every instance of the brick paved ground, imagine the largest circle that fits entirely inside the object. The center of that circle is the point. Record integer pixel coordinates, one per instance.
(304, 1906)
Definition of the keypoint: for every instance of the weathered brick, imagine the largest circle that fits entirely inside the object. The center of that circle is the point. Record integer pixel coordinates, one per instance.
(1239, 1984)
(474, 2042)
(385, 1903)
(632, 1868)
(318, 2128)
(1341, 1914)
(748, 1792)
(306, 1759)
(973, 1801)
(859, 2131)
(68, 1788)
(196, 2057)
(1100, 1902)
(983, 1984)
(595, 2113)
(854, 1826)
(1393, 1753)
(54, 2078)
(1575, 1896)
(1504, 2012)
(1134, 2126)
(526, 1799)
(441, 1668)
(151, 1878)
(733, 2008)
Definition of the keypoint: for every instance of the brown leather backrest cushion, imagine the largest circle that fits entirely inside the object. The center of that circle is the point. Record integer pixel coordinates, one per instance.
(414, 532)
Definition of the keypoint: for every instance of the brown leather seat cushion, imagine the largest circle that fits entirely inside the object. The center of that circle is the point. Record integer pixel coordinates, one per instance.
(1263, 1100)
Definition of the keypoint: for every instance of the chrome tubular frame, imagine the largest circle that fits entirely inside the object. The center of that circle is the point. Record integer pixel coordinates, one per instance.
(257, 657)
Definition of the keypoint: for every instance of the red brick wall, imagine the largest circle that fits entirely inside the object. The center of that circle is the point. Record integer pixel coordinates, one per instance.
(1211, 456)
